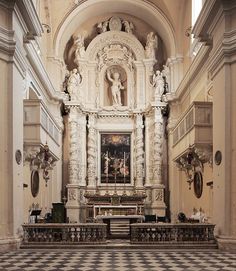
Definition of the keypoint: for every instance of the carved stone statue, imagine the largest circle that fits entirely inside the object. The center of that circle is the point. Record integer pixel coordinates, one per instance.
(158, 84)
(129, 27)
(100, 60)
(79, 47)
(151, 45)
(115, 24)
(103, 27)
(73, 83)
(115, 88)
(65, 82)
(166, 74)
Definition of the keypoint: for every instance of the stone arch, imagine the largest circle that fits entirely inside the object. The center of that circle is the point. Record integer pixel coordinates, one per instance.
(115, 37)
(141, 9)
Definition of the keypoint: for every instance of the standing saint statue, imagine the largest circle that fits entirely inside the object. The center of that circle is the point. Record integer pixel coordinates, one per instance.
(158, 83)
(115, 88)
(151, 45)
(79, 47)
(166, 74)
(72, 84)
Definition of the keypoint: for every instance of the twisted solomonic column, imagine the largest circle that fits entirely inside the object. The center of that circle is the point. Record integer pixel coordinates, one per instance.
(139, 150)
(81, 145)
(92, 151)
(158, 147)
(73, 160)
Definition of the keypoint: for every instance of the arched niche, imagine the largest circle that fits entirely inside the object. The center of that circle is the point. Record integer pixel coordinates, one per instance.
(127, 71)
(108, 93)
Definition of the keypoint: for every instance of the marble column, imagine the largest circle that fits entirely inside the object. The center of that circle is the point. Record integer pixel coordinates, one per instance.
(157, 146)
(158, 204)
(82, 149)
(72, 205)
(139, 150)
(74, 152)
(92, 151)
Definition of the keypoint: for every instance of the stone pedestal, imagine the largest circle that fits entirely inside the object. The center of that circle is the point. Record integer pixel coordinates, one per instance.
(158, 205)
(72, 205)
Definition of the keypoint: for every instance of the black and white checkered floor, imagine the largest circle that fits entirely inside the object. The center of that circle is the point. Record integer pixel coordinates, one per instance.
(120, 260)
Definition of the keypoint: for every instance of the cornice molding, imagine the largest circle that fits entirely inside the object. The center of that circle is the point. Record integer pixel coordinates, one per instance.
(42, 74)
(201, 27)
(8, 4)
(212, 11)
(224, 53)
(20, 61)
(30, 17)
(7, 42)
(192, 74)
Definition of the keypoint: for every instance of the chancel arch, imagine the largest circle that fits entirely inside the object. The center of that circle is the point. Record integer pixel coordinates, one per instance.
(145, 11)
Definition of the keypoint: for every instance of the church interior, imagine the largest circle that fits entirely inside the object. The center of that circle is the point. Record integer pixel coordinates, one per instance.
(118, 131)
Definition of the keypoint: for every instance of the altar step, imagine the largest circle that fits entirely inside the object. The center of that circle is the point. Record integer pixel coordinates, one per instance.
(122, 244)
(119, 228)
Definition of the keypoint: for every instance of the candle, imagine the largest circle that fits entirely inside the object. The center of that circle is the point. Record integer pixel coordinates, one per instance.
(107, 165)
(124, 164)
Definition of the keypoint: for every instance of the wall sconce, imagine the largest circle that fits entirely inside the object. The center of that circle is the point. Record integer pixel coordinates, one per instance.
(188, 31)
(192, 161)
(40, 158)
(47, 27)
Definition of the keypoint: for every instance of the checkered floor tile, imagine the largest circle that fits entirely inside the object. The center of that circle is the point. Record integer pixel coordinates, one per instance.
(120, 260)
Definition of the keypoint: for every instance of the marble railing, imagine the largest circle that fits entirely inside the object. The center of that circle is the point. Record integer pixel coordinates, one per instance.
(172, 233)
(64, 233)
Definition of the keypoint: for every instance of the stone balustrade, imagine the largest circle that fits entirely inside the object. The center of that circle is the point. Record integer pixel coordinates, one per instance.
(64, 234)
(172, 233)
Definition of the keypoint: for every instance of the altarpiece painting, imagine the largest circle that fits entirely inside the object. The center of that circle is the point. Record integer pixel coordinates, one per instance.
(115, 158)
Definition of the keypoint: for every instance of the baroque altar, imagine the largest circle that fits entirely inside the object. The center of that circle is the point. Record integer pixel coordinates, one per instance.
(115, 126)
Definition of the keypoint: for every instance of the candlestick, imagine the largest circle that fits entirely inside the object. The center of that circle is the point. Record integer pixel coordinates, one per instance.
(124, 164)
(107, 164)
(115, 192)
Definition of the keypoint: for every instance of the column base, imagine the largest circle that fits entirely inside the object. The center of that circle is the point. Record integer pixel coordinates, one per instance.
(154, 203)
(72, 205)
(8, 244)
(227, 243)
(158, 205)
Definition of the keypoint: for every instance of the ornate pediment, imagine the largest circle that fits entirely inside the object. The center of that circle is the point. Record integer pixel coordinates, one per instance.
(115, 54)
(115, 38)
